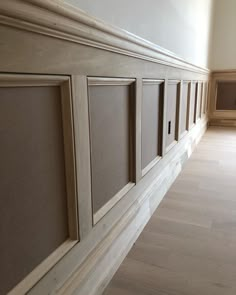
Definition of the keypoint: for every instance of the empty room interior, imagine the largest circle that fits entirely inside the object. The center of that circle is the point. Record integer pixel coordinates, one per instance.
(117, 147)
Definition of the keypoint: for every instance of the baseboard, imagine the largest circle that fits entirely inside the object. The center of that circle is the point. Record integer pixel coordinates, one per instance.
(223, 122)
(96, 272)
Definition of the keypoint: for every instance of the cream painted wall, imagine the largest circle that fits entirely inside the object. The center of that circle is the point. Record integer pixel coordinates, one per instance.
(181, 26)
(223, 49)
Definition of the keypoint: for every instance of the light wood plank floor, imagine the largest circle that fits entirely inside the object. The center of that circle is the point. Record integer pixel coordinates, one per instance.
(189, 245)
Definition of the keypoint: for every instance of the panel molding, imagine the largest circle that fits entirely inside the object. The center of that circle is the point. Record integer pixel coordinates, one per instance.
(134, 109)
(112, 202)
(198, 101)
(21, 80)
(152, 81)
(138, 129)
(184, 82)
(8, 80)
(102, 81)
(151, 165)
(82, 144)
(63, 21)
(178, 95)
(147, 81)
(220, 117)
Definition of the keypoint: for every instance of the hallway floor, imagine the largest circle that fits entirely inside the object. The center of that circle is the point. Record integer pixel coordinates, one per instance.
(189, 245)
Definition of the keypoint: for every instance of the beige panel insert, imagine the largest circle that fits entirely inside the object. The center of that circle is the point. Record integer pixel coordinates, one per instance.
(33, 203)
(226, 96)
(152, 114)
(111, 109)
(172, 114)
(192, 104)
(199, 100)
(184, 107)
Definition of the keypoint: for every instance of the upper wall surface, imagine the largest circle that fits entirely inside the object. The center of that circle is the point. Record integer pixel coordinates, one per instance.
(223, 51)
(183, 26)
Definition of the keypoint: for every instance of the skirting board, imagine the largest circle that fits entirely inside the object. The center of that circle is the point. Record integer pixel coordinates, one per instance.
(92, 277)
(223, 122)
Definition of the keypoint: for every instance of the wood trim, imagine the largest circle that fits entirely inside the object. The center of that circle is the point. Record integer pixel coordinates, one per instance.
(146, 81)
(195, 101)
(111, 203)
(135, 137)
(7, 80)
(169, 147)
(60, 20)
(183, 134)
(177, 118)
(100, 81)
(82, 146)
(152, 81)
(134, 113)
(171, 82)
(188, 105)
(216, 115)
(179, 113)
(208, 95)
(31, 279)
(177, 123)
(198, 101)
(22, 80)
(164, 127)
(201, 98)
(194, 110)
(223, 122)
(138, 130)
(151, 165)
(68, 134)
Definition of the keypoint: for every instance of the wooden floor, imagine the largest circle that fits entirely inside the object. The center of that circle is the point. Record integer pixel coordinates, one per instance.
(189, 245)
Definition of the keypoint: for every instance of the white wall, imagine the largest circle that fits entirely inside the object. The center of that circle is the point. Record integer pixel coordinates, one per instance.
(223, 49)
(181, 26)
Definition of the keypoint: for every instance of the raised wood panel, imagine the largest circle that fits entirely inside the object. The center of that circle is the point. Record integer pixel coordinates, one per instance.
(222, 111)
(111, 109)
(226, 96)
(184, 107)
(192, 107)
(198, 100)
(207, 100)
(203, 106)
(152, 116)
(171, 120)
(37, 215)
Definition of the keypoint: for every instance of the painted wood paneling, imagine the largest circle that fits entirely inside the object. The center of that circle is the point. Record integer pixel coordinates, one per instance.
(192, 104)
(33, 203)
(198, 100)
(152, 114)
(172, 103)
(111, 136)
(105, 121)
(184, 107)
(226, 96)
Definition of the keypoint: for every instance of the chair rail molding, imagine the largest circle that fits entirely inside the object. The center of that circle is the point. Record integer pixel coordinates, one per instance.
(61, 20)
